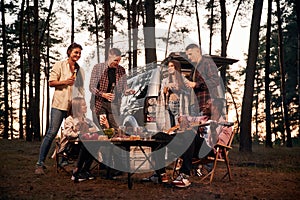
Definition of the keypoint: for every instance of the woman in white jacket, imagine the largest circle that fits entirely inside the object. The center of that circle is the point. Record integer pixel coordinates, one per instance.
(77, 124)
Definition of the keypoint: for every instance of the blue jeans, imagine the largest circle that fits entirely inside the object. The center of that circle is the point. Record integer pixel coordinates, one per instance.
(56, 119)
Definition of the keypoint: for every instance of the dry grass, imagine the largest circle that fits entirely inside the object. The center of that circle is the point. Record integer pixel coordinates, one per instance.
(263, 174)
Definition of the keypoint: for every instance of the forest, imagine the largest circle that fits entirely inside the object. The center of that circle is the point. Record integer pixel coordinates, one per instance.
(263, 91)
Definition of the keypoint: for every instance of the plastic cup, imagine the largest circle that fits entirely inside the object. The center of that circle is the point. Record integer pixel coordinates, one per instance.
(102, 116)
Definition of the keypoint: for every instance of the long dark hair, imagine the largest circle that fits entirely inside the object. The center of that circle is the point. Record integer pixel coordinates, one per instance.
(178, 76)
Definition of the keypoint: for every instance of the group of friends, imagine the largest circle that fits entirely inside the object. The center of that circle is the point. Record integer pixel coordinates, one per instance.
(181, 101)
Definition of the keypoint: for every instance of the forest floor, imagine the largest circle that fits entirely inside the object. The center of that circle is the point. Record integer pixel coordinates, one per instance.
(266, 173)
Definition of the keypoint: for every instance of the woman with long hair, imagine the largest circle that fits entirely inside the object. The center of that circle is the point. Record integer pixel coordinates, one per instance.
(76, 124)
(174, 96)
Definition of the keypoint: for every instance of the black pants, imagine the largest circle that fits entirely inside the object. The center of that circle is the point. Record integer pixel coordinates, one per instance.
(85, 159)
(179, 145)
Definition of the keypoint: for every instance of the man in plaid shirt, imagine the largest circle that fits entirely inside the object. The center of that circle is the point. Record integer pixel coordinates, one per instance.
(204, 78)
(108, 83)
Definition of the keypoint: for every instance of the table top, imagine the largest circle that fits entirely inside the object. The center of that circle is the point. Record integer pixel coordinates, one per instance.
(126, 141)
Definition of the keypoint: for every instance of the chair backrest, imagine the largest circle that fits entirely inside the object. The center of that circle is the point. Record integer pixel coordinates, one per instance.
(231, 138)
(226, 136)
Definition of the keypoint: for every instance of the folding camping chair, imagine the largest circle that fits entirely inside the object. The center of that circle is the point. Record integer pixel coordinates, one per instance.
(220, 155)
(69, 155)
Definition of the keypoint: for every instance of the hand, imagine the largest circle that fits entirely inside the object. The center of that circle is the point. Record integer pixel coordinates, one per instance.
(165, 90)
(109, 96)
(104, 121)
(70, 81)
(172, 86)
(130, 91)
(190, 84)
(183, 122)
(203, 119)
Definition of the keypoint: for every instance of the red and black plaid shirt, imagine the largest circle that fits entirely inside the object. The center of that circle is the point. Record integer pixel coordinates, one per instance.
(207, 79)
(99, 84)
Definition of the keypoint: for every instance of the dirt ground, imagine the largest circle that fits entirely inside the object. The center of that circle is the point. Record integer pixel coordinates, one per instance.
(264, 174)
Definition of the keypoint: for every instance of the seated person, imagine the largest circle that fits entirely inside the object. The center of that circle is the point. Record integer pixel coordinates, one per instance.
(74, 125)
(215, 133)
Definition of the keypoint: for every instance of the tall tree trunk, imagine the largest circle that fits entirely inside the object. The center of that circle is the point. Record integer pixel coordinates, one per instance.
(29, 109)
(134, 34)
(298, 59)
(111, 33)
(22, 71)
(72, 21)
(255, 136)
(198, 22)
(211, 25)
(5, 78)
(246, 118)
(223, 39)
(235, 107)
(46, 25)
(47, 72)
(129, 35)
(46, 68)
(267, 78)
(282, 72)
(169, 29)
(106, 26)
(11, 113)
(94, 3)
(233, 20)
(149, 32)
(43, 106)
(37, 73)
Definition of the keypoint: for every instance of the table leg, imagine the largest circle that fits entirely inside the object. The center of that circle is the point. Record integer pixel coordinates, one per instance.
(129, 181)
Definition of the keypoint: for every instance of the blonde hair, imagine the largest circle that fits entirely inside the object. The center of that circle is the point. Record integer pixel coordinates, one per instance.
(76, 106)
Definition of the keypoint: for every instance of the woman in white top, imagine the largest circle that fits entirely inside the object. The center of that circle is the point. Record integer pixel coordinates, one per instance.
(173, 99)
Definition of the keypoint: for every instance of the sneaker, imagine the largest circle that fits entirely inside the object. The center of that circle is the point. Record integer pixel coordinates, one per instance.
(63, 163)
(181, 181)
(79, 177)
(118, 173)
(74, 175)
(89, 175)
(153, 178)
(203, 170)
(199, 172)
(115, 175)
(39, 170)
(164, 178)
(208, 167)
